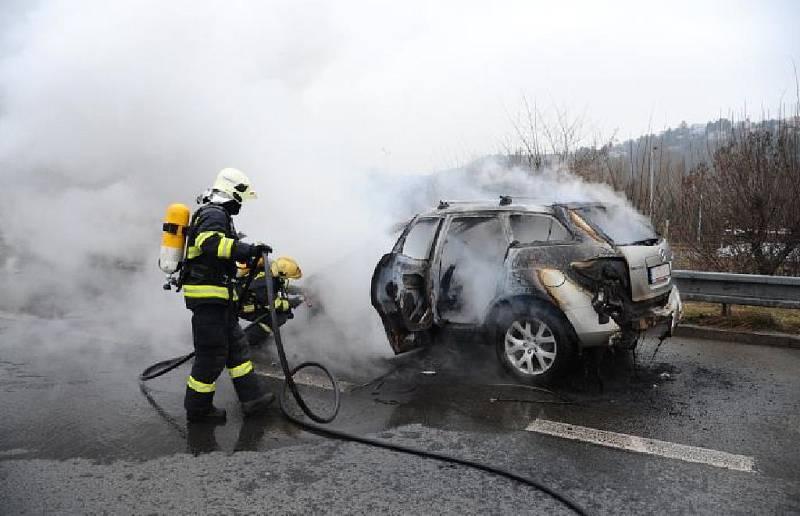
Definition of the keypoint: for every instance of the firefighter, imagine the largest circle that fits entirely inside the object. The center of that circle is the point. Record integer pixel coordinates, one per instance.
(287, 297)
(212, 250)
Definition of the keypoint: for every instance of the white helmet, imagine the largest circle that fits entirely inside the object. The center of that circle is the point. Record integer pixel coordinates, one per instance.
(234, 184)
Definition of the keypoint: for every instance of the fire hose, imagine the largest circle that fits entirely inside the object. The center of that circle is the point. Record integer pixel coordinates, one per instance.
(165, 366)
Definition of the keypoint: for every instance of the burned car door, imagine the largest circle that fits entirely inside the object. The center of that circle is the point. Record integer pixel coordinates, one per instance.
(400, 285)
(470, 267)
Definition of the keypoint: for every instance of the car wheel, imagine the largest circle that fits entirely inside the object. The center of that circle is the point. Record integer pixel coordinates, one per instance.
(534, 343)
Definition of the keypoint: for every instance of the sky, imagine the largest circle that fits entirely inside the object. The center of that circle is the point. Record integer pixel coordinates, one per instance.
(448, 78)
(417, 86)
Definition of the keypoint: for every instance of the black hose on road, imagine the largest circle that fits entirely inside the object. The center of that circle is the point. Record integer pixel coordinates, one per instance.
(163, 367)
(166, 366)
(346, 436)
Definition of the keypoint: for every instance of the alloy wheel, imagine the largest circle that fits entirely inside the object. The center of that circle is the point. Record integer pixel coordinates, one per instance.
(530, 346)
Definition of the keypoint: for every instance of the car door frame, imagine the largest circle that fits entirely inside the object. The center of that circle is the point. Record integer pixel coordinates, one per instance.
(436, 262)
(397, 326)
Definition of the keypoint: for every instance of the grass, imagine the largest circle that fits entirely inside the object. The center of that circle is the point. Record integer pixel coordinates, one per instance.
(743, 317)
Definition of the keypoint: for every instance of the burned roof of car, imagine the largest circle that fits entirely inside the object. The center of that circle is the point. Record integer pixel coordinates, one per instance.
(505, 204)
(515, 205)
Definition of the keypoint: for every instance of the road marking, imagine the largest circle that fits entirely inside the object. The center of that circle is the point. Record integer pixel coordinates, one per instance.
(643, 445)
(309, 380)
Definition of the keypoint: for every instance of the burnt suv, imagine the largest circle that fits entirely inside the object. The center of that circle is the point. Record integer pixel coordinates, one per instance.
(542, 283)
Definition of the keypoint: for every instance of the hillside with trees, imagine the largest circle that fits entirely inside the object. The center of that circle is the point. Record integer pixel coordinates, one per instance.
(726, 193)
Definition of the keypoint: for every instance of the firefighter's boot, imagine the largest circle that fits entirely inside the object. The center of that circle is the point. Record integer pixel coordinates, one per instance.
(258, 405)
(212, 415)
(252, 392)
(199, 405)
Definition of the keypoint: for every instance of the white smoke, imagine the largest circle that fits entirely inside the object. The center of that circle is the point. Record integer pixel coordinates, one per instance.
(110, 111)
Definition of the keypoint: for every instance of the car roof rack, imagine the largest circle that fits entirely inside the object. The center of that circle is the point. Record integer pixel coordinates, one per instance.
(446, 204)
(505, 200)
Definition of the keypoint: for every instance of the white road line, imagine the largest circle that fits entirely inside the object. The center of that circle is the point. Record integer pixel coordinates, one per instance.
(643, 445)
(309, 380)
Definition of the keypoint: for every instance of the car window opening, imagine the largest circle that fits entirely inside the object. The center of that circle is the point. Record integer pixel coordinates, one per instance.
(418, 241)
(537, 228)
(622, 226)
(470, 267)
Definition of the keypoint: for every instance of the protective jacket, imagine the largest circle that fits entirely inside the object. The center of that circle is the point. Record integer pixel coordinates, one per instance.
(213, 248)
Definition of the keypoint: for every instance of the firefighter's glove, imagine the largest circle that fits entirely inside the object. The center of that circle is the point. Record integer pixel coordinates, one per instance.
(281, 304)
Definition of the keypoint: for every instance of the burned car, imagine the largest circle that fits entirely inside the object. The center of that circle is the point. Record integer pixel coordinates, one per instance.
(542, 283)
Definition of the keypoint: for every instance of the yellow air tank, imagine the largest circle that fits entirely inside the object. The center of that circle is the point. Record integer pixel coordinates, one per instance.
(173, 237)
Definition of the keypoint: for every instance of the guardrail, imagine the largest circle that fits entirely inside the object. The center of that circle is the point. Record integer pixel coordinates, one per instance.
(738, 289)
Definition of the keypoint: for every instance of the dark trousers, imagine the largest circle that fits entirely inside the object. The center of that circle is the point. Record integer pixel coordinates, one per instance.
(219, 342)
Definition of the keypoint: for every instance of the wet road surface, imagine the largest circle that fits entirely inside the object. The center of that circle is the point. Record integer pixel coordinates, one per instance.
(78, 436)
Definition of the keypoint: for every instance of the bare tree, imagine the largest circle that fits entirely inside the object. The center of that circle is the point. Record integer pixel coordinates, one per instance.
(733, 203)
(743, 211)
(544, 139)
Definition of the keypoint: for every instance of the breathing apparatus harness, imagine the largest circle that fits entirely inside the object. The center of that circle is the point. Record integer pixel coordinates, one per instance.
(165, 366)
(179, 230)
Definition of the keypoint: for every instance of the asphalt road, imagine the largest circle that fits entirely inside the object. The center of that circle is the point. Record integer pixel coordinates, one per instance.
(78, 436)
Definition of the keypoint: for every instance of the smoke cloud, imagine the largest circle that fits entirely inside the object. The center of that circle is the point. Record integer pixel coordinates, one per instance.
(111, 111)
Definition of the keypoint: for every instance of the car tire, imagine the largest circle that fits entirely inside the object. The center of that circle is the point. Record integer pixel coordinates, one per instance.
(534, 343)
